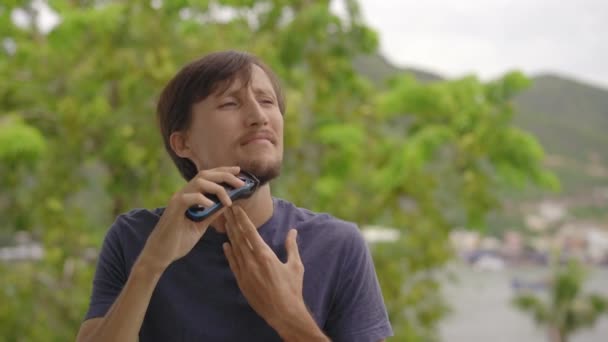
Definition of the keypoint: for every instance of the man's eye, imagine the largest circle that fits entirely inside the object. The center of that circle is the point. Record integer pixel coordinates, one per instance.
(267, 101)
(228, 104)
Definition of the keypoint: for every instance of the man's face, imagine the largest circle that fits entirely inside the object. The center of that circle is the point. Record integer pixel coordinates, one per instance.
(242, 126)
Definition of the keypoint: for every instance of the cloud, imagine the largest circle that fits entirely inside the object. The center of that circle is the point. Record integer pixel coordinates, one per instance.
(485, 37)
(491, 37)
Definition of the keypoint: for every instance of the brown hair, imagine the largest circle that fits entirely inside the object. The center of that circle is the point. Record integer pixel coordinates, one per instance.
(197, 80)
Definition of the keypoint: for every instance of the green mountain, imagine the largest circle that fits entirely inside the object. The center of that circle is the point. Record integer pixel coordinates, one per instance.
(570, 120)
(378, 69)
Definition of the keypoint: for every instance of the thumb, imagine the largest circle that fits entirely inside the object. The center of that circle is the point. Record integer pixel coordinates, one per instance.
(293, 254)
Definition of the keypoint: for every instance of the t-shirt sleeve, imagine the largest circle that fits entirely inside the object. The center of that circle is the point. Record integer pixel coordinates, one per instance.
(358, 313)
(110, 275)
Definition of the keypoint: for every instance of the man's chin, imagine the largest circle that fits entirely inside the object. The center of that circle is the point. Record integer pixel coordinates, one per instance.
(263, 172)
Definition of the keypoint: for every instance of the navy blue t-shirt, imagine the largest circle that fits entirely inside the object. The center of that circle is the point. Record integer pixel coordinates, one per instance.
(197, 297)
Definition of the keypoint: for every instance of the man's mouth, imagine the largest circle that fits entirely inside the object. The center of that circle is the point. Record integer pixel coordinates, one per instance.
(258, 138)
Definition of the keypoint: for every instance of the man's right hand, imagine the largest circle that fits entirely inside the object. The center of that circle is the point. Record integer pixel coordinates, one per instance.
(175, 235)
(172, 238)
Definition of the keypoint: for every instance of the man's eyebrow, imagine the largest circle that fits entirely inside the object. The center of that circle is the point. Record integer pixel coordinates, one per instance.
(264, 91)
(233, 91)
(227, 91)
(230, 87)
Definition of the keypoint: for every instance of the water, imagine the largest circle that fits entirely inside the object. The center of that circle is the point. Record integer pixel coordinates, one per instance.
(482, 310)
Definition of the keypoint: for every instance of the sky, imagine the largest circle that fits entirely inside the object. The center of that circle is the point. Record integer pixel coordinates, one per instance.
(491, 37)
(485, 37)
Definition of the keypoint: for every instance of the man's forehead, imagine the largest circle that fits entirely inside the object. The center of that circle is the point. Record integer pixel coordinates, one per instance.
(253, 77)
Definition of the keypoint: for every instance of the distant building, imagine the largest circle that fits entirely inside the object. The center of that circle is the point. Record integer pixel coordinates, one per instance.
(374, 234)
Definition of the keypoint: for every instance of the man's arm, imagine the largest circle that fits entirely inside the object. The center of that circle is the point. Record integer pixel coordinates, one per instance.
(126, 315)
(173, 237)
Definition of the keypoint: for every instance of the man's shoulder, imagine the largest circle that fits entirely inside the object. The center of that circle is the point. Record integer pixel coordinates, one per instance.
(139, 215)
(324, 224)
(128, 234)
(137, 222)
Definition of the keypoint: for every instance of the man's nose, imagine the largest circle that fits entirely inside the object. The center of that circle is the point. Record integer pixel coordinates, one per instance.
(255, 114)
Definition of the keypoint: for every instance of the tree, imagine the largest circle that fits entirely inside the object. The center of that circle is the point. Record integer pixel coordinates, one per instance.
(79, 113)
(567, 309)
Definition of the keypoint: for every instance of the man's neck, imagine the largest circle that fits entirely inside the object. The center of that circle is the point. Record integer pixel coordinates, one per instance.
(259, 208)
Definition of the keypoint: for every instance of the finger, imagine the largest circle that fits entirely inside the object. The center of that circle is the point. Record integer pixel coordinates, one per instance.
(215, 215)
(195, 198)
(209, 187)
(232, 169)
(222, 177)
(250, 232)
(293, 253)
(240, 241)
(234, 245)
(231, 260)
(247, 234)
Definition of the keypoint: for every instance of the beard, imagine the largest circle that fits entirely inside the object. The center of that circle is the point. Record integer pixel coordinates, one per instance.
(263, 170)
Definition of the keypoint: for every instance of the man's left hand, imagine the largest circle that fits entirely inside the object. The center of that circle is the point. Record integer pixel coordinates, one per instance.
(272, 288)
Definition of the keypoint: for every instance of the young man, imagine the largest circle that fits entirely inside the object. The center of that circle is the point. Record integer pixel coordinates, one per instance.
(260, 269)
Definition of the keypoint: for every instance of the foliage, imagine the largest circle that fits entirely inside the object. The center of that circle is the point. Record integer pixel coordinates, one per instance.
(567, 309)
(80, 107)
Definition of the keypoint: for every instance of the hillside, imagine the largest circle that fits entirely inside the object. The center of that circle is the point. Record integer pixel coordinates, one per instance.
(378, 69)
(570, 120)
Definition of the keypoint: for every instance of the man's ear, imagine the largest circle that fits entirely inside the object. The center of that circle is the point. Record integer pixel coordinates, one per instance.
(179, 144)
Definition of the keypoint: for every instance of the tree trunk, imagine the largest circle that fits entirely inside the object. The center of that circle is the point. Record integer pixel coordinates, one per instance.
(555, 335)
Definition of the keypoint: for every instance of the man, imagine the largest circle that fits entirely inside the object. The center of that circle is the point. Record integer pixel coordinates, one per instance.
(260, 269)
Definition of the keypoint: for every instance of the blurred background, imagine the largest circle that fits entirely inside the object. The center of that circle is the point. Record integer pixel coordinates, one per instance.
(467, 139)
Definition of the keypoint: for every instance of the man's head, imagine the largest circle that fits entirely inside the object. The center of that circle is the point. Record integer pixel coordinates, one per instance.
(224, 109)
